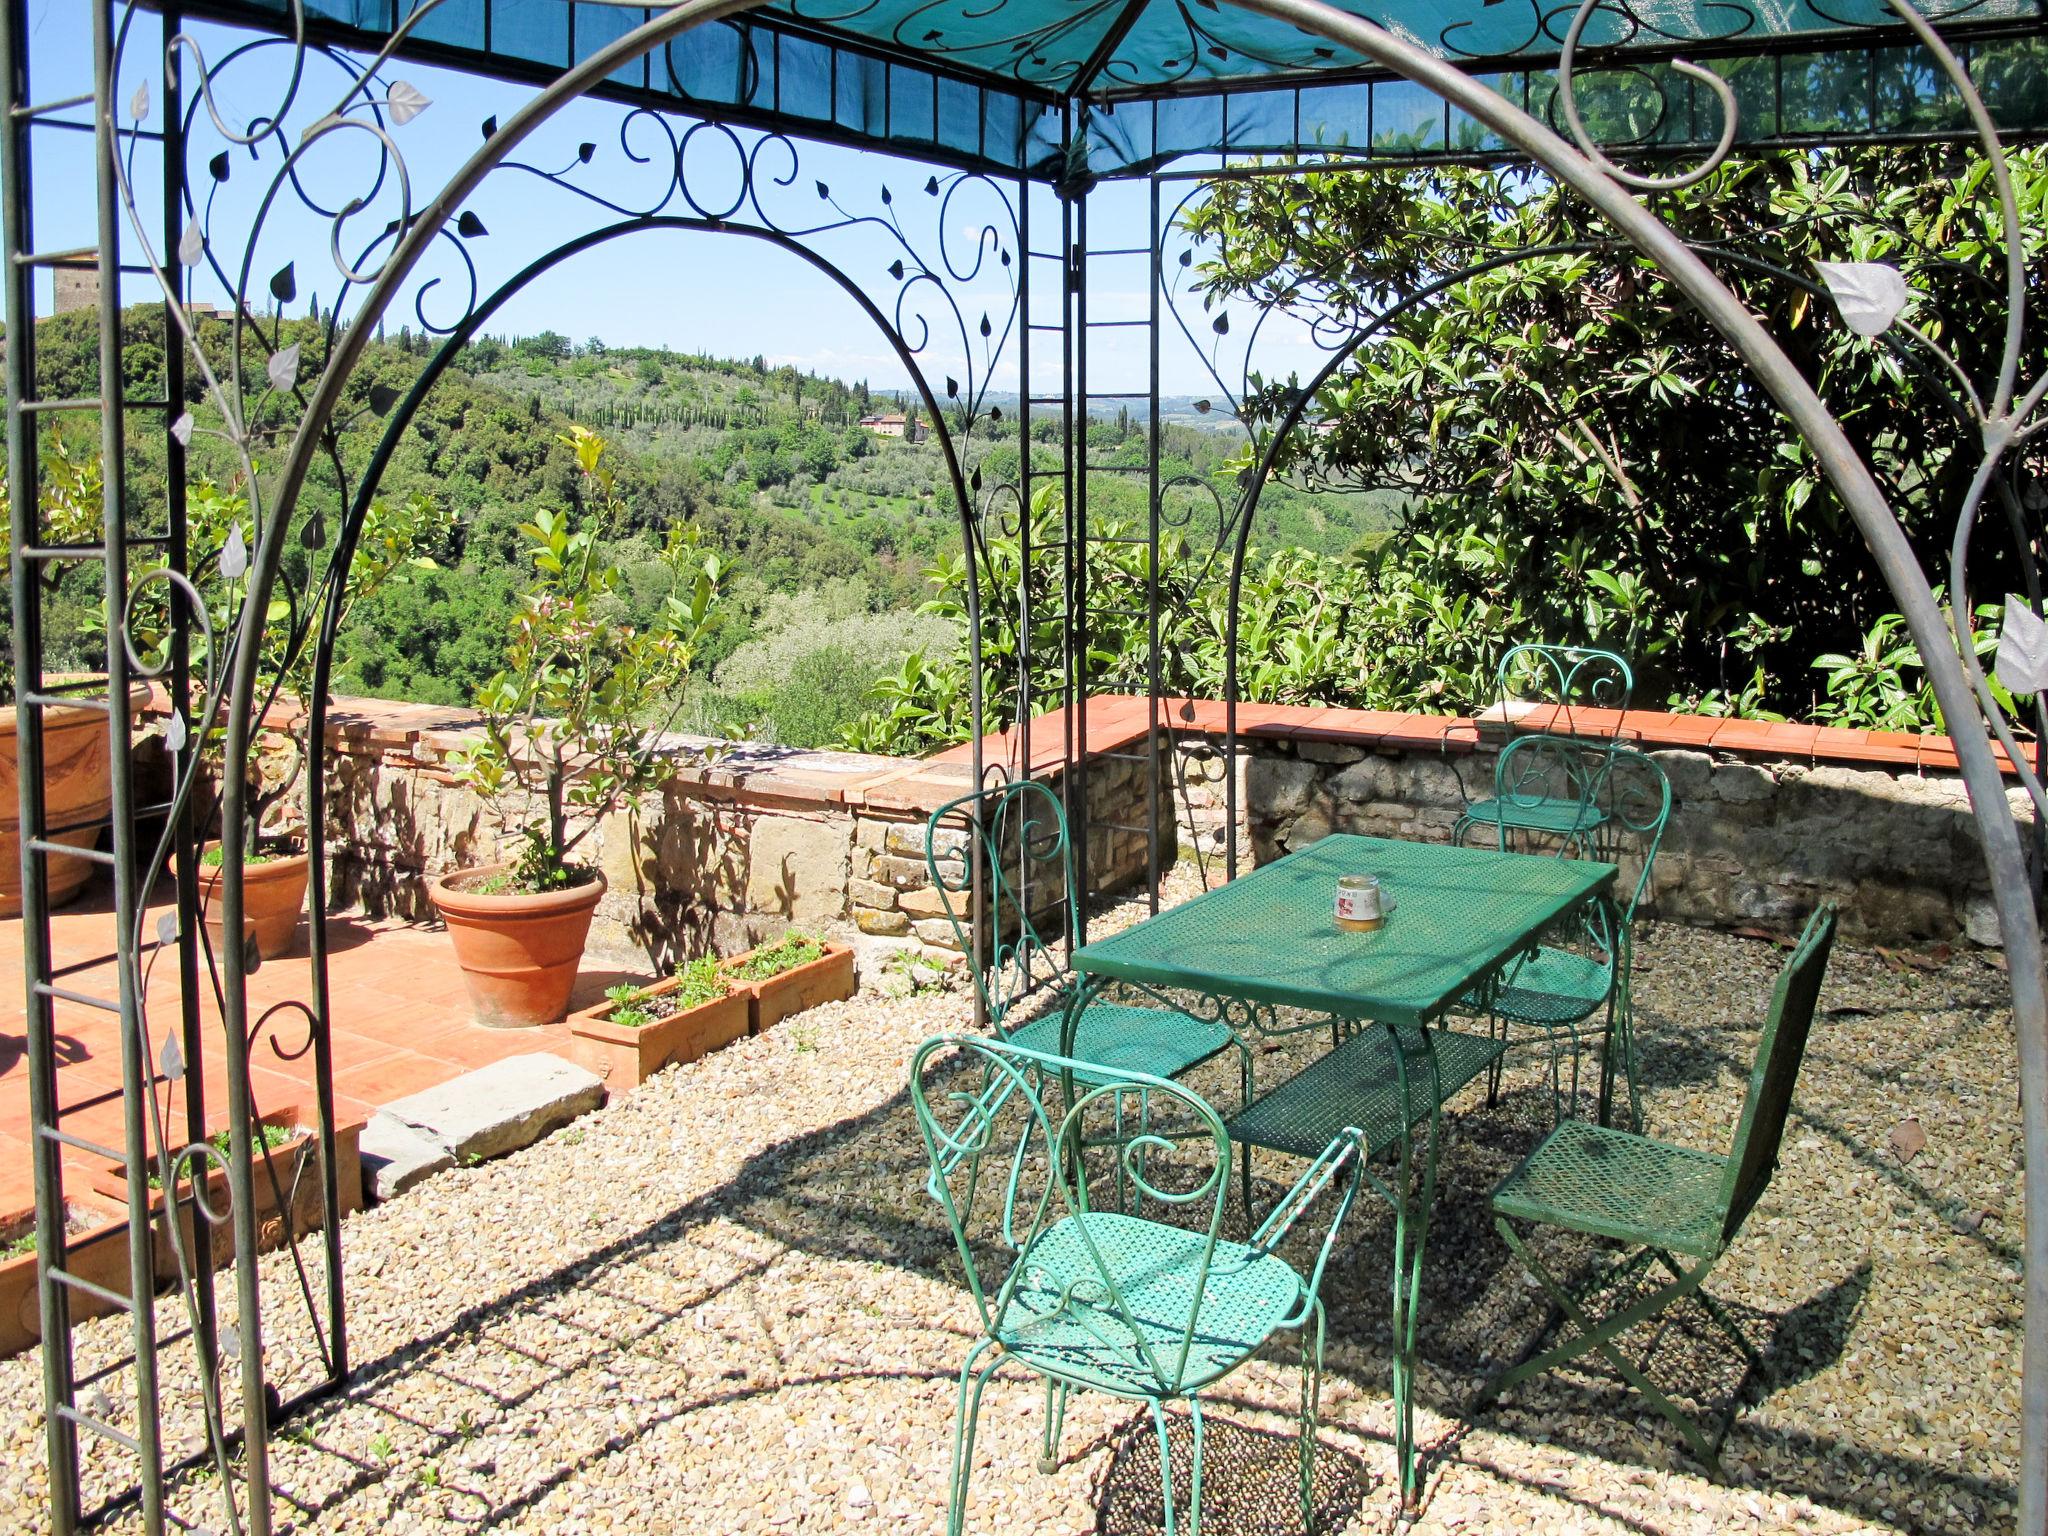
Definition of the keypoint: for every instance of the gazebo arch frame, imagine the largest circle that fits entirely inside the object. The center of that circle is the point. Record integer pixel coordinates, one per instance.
(233, 694)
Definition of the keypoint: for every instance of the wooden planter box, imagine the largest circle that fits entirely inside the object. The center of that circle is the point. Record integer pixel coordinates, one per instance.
(296, 1162)
(626, 1057)
(826, 979)
(97, 1251)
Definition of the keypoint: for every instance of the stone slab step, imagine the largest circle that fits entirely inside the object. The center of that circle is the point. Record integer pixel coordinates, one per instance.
(397, 1156)
(502, 1107)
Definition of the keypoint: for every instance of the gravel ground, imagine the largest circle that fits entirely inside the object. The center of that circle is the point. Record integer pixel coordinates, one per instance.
(723, 1304)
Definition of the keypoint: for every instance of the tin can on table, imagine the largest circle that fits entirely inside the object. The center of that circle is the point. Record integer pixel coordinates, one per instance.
(1361, 907)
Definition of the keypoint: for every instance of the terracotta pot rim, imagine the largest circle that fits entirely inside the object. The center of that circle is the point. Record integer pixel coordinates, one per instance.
(829, 949)
(592, 1027)
(59, 716)
(449, 897)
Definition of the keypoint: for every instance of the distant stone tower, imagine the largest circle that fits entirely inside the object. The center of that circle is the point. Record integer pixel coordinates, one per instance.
(77, 285)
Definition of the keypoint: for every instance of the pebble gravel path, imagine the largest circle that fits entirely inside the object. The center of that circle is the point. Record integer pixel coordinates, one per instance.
(724, 1304)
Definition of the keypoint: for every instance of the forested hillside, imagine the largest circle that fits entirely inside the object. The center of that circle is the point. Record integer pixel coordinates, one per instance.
(833, 529)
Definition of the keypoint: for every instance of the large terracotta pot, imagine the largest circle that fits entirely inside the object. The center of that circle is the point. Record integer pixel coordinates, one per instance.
(519, 953)
(77, 789)
(273, 895)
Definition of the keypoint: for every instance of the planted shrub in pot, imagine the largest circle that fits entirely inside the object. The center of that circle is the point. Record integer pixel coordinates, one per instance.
(639, 1030)
(390, 548)
(573, 726)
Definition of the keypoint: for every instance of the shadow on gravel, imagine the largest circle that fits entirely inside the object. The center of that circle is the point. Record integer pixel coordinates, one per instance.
(855, 1191)
(1251, 1480)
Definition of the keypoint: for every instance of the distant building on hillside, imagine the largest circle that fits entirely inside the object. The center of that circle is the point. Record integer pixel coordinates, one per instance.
(75, 284)
(891, 425)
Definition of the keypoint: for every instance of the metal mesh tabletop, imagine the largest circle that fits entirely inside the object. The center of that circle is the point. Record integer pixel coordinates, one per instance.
(1270, 937)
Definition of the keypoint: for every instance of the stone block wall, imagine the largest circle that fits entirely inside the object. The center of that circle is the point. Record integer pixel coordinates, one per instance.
(1748, 844)
(892, 894)
(737, 849)
(734, 850)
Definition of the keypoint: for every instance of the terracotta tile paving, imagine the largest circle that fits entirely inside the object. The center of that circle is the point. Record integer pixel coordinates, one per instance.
(401, 1024)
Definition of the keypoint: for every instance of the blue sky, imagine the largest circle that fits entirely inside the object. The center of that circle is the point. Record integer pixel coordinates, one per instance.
(691, 291)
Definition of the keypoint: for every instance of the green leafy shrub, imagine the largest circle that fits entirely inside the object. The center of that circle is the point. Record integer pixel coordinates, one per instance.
(702, 982)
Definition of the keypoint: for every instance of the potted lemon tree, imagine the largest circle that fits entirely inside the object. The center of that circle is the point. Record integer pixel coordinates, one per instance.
(573, 725)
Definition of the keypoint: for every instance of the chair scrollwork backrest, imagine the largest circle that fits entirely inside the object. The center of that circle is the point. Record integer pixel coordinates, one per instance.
(1074, 1182)
(1002, 864)
(1634, 795)
(1568, 678)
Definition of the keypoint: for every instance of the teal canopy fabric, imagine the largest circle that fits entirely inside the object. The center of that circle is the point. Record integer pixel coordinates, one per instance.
(982, 83)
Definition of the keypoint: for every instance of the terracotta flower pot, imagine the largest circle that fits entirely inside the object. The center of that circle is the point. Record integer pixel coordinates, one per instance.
(519, 953)
(273, 895)
(97, 1250)
(77, 788)
(826, 979)
(626, 1056)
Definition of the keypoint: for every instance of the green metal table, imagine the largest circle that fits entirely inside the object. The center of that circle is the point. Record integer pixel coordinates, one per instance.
(1461, 918)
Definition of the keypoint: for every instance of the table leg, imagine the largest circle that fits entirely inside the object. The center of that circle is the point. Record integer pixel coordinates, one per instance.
(1616, 1001)
(1409, 1247)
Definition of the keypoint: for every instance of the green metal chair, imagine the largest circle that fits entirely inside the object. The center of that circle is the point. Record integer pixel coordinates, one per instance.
(1002, 863)
(1662, 1200)
(1552, 686)
(1096, 1294)
(1556, 989)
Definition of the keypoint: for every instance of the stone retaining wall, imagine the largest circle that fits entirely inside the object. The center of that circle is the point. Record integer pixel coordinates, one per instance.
(1748, 844)
(735, 849)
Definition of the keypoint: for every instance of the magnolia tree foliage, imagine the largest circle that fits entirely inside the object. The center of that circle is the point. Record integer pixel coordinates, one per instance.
(1578, 455)
(1586, 457)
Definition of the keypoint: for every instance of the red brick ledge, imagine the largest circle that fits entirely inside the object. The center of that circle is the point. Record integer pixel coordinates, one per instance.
(1116, 721)
(421, 736)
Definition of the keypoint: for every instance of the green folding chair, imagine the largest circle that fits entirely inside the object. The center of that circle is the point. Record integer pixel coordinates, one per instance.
(1002, 863)
(1097, 1295)
(1557, 989)
(1550, 796)
(1672, 1205)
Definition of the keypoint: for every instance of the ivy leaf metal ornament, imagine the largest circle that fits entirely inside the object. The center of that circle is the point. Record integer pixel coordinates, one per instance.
(138, 108)
(170, 1061)
(181, 430)
(234, 555)
(406, 102)
(2022, 663)
(283, 369)
(1869, 294)
(175, 733)
(191, 245)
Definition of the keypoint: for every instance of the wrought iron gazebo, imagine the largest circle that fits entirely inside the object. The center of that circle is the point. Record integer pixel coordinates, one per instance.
(987, 281)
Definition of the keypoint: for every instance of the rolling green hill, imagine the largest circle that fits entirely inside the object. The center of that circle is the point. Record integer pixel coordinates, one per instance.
(831, 526)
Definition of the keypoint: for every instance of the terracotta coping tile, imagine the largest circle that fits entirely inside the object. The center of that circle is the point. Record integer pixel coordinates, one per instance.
(1435, 731)
(1674, 730)
(1935, 752)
